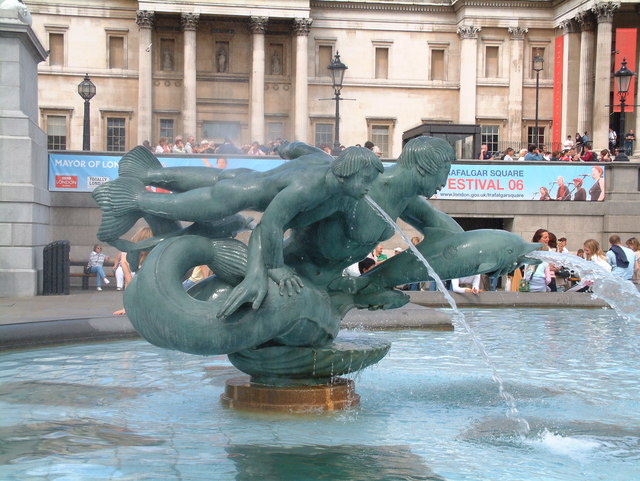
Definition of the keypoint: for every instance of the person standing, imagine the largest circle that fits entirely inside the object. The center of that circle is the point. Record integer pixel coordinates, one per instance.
(95, 266)
(629, 139)
(634, 245)
(580, 193)
(621, 258)
(613, 139)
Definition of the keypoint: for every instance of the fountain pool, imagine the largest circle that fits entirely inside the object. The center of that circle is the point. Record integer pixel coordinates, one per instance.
(429, 410)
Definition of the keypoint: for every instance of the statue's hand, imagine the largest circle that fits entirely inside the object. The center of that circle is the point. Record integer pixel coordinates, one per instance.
(251, 289)
(286, 279)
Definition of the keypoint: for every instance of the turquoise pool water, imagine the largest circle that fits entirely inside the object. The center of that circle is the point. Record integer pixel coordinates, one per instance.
(429, 410)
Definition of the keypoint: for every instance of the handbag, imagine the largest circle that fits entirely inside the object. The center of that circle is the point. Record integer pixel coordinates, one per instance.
(87, 269)
(524, 286)
(563, 273)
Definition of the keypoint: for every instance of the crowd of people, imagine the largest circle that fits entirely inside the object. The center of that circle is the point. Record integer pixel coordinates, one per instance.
(578, 149)
(178, 146)
(620, 260)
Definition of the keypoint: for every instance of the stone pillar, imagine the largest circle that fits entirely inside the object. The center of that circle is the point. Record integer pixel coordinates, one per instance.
(24, 195)
(468, 73)
(257, 26)
(516, 62)
(585, 85)
(570, 77)
(189, 23)
(144, 19)
(301, 28)
(604, 14)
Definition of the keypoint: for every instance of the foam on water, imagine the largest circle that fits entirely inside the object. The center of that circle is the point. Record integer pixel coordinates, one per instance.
(565, 445)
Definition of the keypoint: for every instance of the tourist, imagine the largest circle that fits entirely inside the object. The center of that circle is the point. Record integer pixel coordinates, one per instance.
(484, 153)
(562, 246)
(137, 257)
(567, 144)
(95, 266)
(580, 194)
(255, 149)
(634, 245)
(206, 148)
(118, 272)
(613, 139)
(587, 155)
(579, 143)
(469, 284)
(178, 146)
(508, 154)
(162, 147)
(378, 255)
(580, 253)
(621, 258)
(597, 191)
(147, 145)
(620, 156)
(586, 141)
(522, 154)
(198, 274)
(191, 147)
(366, 265)
(593, 252)
(629, 139)
(604, 156)
(533, 153)
(538, 275)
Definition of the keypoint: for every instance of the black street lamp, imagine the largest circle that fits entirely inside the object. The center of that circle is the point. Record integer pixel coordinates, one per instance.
(538, 66)
(87, 91)
(337, 68)
(623, 80)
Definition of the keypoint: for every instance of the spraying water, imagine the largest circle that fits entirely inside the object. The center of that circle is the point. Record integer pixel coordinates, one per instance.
(620, 294)
(512, 412)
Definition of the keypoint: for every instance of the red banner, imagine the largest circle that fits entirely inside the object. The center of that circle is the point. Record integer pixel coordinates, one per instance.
(625, 49)
(556, 130)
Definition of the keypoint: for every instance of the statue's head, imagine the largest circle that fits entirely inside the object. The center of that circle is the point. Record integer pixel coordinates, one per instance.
(356, 168)
(431, 157)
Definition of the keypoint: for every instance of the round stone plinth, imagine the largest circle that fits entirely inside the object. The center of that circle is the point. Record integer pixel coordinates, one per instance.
(241, 393)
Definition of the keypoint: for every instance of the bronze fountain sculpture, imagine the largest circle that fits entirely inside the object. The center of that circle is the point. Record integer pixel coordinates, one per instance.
(275, 305)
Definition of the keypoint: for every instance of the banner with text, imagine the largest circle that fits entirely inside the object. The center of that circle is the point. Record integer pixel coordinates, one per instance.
(583, 181)
(80, 172)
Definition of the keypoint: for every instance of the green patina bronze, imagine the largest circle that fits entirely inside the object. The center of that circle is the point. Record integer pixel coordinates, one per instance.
(284, 299)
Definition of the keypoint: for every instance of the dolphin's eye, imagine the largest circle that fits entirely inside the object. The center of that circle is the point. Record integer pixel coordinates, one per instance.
(509, 251)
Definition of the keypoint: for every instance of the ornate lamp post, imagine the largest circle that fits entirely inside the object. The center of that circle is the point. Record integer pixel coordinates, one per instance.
(538, 66)
(87, 91)
(337, 68)
(623, 80)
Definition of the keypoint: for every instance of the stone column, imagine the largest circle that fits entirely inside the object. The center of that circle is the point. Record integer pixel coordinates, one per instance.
(468, 73)
(570, 77)
(604, 14)
(301, 28)
(144, 19)
(24, 197)
(516, 62)
(257, 26)
(585, 85)
(189, 23)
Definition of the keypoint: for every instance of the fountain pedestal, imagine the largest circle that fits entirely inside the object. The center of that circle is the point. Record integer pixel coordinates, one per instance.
(241, 393)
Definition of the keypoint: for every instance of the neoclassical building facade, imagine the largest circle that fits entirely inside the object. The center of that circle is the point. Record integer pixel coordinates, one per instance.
(258, 71)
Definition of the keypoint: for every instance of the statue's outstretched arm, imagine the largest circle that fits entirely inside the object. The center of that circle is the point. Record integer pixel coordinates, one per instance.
(294, 150)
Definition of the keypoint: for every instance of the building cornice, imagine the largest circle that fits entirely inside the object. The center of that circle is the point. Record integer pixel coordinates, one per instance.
(414, 7)
(460, 4)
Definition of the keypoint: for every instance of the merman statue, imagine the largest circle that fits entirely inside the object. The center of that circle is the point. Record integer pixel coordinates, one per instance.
(287, 292)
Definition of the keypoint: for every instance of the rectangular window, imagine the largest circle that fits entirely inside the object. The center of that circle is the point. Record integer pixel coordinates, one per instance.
(56, 49)
(382, 63)
(275, 130)
(324, 134)
(380, 138)
(325, 55)
(531, 136)
(489, 136)
(116, 52)
(218, 131)
(116, 134)
(56, 132)
(491, 62)
(166, 129)
(437, 65)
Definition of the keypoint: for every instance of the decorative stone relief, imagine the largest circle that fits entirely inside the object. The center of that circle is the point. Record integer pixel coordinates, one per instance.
(258, 24)
(570, 26)
(301, 26)
(468, 31)
(604, 11)
(189, 21)
(517, 33)
(586, 21)
(145, 18)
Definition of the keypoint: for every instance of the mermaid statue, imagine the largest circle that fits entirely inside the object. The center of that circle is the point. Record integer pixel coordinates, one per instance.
(276, 297)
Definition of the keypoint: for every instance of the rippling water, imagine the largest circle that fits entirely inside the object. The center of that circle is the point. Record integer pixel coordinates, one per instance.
(429, 410)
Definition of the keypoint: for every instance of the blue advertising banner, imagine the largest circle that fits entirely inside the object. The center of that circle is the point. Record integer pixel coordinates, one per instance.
(580, 182)
(80, 172)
